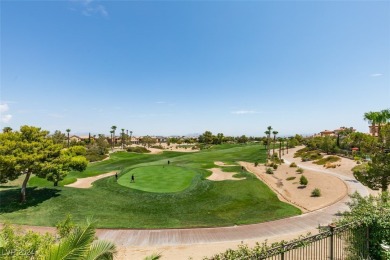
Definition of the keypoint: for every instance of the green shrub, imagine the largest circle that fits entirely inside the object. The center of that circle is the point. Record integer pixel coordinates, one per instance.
(275, 166)
(157, 146)
(299, 170)
(91, 157)
(372, 213)
(300, 152)
(256, 163)
(316, 192)
(293, 164)
(291, 178)
(269, 171)
(329, 159)
(303, 180)
(137, 149)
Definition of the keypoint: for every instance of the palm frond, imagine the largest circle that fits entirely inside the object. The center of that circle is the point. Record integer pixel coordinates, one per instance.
(154, 256)
(74, 246)
(102, 250)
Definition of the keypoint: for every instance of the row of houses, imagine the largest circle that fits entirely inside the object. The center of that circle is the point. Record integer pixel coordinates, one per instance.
(335, 132)
(118, 139)
(373, 130)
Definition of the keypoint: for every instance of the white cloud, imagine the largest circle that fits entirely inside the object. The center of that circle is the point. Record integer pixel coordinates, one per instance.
(376, 75)
(91, 7)
(4, 108)
(243, 112)
(160, 102)
(5, 118)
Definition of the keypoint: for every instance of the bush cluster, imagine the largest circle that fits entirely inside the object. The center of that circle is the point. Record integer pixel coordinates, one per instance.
(329, 159)
(316, 193)
(293, 164)
(303, 180)
(137, 149)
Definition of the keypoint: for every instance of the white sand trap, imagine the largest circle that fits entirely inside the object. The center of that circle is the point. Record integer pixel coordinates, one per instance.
(84, 183)
(219, 175)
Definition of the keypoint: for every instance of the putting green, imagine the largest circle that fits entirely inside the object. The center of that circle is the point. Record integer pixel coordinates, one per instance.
(160, 179)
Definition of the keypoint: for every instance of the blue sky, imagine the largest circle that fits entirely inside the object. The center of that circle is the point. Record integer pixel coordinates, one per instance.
(181, 67)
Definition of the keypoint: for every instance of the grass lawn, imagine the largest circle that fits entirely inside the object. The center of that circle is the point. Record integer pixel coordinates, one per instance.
(161, 178)
(194, 202)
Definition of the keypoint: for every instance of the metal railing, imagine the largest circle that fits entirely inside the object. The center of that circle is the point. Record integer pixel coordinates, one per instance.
(335, 243)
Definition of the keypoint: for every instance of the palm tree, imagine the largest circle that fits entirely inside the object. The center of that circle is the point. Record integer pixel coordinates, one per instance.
(123, 136)
(372, 118)
(127, 137)
(280, 147)
(112, 144)
(113, 130)
(68, 131)
(274, 133)
(81, 244)
(268, 133)
(383, 118)
(131, 132)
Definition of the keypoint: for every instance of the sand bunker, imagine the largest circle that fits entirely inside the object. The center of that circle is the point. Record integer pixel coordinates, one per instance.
(84, 183)
(219, 175)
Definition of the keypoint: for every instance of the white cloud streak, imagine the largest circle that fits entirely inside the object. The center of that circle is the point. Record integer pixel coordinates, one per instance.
(5, 118)
(376, 75)
(91, 7)
(244, 112)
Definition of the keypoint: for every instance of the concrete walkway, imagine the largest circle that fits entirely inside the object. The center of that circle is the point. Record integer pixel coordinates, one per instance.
(293, 226)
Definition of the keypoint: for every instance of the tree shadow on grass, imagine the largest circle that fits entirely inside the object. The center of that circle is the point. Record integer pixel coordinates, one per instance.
(10, 199)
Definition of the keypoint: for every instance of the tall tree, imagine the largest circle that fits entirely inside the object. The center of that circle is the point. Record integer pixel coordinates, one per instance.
(274, 133)
(382, 119)
(31, 151)
(59, 137)
(7, 129)
(378, 173)
(268, 133)
(220, 138)
(123, 136)
(68, 131)
(113, 131)
(131, 132)
(112, 139)
(206, 137)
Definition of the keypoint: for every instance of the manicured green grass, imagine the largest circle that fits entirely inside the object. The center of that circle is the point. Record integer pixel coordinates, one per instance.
(203, 203)
(161, 178)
